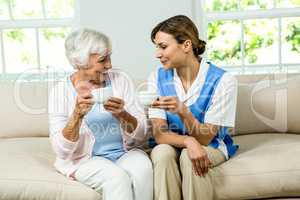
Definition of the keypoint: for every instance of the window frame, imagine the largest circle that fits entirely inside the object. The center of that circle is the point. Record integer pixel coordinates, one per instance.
(72, 22)
(203, 18)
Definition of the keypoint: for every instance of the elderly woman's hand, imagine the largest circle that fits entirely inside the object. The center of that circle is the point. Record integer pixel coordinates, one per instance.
(115, 106)
(84, 100)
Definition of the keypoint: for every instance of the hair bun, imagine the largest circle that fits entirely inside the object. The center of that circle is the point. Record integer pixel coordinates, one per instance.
(200, 49)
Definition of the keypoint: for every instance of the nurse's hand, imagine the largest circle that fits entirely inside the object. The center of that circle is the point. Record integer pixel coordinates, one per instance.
(198, 156)
(170, 103)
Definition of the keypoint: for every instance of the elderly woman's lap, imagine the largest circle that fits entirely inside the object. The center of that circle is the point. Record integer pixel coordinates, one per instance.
(130, 176)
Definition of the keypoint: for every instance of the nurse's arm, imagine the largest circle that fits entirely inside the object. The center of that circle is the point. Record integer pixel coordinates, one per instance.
(163, 135)
(202, 132)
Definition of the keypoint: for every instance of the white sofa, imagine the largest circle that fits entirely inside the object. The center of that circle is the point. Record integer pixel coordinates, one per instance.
(267, 164)
(26, 156)
(267, 130)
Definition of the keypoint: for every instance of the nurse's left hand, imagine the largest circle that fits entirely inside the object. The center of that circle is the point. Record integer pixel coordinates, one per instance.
(115, 106)
(170, 103)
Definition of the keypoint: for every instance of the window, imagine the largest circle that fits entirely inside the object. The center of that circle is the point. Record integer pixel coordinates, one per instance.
(32, 34)
(253, 36)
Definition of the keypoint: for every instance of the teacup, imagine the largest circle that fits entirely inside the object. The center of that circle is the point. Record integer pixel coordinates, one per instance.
(146, 98)
(100, 95)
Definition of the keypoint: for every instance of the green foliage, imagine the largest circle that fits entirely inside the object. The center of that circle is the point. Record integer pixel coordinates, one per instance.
(294, 37)
(296, 2)
(16, 34)
(225, 46)
(29, 13)
(257, 35)
(59, 8)
(3, 6)
(254, 41)
(50, 34)
(257, 3)
(227, 53)
(252, 57)
(3, 2)
(227, 5)
(214, 29)
(26, 58)
(71, 3)
(293, 2)
(257, 39)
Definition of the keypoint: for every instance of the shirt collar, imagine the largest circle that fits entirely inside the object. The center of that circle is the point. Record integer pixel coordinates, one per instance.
(198, 82)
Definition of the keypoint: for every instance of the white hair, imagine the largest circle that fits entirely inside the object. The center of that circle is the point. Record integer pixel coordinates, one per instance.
(80, 44)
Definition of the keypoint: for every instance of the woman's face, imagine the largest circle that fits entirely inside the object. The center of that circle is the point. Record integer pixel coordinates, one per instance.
(170, 53)
(97, 66)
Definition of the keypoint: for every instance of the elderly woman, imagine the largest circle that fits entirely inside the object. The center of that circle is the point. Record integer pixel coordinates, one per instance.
(95, 143)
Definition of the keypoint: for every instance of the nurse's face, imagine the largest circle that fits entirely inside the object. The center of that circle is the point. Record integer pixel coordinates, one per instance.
(170, 53)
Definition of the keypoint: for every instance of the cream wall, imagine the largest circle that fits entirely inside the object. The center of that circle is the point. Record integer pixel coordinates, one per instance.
(129, 24)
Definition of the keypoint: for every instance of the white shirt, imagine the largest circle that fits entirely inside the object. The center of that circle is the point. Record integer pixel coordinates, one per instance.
(223, 106)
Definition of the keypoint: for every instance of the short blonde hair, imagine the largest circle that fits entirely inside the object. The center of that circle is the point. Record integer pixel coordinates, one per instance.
(80, 44)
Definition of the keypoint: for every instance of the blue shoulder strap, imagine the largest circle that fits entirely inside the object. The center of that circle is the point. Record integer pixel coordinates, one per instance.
(213, 77)
(165, 82)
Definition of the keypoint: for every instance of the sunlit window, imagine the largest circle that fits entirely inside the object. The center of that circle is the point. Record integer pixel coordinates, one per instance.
(33, 33)
(291, 40)
(20, 51)
(225, 42)
(254, 35)
(53, 38)
(261, 41)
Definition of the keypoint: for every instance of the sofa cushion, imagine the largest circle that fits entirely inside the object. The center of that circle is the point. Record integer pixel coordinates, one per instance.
(268, 105)
(27, 172)
(23, 109)
(266, 165)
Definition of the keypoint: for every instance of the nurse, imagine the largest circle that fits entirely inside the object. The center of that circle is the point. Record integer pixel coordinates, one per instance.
(192, 116)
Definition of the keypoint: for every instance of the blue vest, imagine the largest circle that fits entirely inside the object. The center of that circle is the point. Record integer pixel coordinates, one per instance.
(199, 108)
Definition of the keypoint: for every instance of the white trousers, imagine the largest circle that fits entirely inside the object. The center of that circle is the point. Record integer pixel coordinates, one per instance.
(129, 178)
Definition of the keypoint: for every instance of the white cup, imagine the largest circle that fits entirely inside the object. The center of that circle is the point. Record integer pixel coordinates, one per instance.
(146, 98)
(100, 95)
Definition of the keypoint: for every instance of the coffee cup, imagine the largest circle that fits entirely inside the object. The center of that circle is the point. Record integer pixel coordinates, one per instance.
(146, 98)
(100, 95)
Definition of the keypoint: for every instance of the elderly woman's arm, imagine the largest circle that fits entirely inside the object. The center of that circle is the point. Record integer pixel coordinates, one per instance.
(64, 128)
(83, 105)
(58, 106)
(128, 122)
(71, 130)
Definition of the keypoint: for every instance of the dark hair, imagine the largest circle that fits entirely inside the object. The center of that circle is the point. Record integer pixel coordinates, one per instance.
(182, 28)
